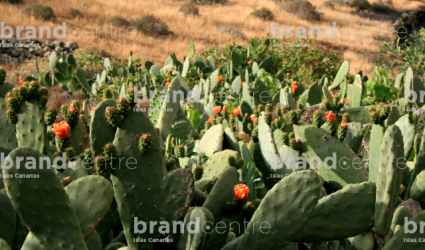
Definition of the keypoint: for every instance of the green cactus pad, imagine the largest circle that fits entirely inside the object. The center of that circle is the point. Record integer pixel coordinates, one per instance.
(79, 138)
(292, 158)
(261, 93)
(230, 141)
(354, 136)
(288, 215)
(3, 243)
(345, 213)
(417, 191)
(20, 235)
(90, 197)
(155, 108)
(393, 117)
(222, 230)
(246, 97)
(31, 131)
(398, 218)
(357, 92)
(408, 131)
(196, 241)
(115, 246)
(139, 181)
(343, 70)
(221, 193)
(397, 242)
(313, 95)
(278, 139)
(177, 194)
(101, 133)
(32, 243)
(212, 141)
(233, 245)
(376, 137)
(286, 99)
(7, 219)
(8, 140)
(358, 114)
(269, 150)
(419, 166)
(390, 174)
(315, 142)
(169, 108)
(364, 241)
(94, 242)
(214, 168)
(182, 130)
(56, 225)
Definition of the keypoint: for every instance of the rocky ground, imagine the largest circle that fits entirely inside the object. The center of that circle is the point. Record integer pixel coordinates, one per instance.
(14, 51)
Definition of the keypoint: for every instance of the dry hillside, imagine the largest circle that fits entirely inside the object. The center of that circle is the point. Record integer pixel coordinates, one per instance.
(204, 29)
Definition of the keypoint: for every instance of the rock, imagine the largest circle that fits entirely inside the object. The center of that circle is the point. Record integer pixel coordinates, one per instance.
(18, 55)
(17, 52)
(14, 61)
(48, 43)
(71, 45)
(231, 30)
(58, 44)
(413, 205)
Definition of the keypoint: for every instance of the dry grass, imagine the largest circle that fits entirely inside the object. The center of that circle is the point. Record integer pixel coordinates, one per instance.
(202, 29)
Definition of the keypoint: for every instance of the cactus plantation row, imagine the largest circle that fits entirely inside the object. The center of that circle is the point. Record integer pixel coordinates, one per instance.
(240, 158)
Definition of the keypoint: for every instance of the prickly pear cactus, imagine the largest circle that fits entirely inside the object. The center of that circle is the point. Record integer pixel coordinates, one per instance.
(8, 140)
(169, 109)
(177, 194)
(222, 192)
(140, 178)
(376, 137)
(419, 167)
(398, 242)
(212, 141)
(91, 198)
(301, 190)
(408, 131)
(7, 219)
(48, 199)
(101, 132)
(399, 218)
(31, 131)
(330, 221)
(214, 168)
(390, 174)
(417, 190)
(317, 144)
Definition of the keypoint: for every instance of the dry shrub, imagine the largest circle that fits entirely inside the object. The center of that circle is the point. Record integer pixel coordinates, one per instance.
(57, 97)
(263, 13)
(151, 25)
(118, 21)
(189, 9)
(303, 9)
(357, 4)
(39, 11)
(74, 13)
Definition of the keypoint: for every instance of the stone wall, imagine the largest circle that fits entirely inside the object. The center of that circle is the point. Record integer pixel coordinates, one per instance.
(15, 52)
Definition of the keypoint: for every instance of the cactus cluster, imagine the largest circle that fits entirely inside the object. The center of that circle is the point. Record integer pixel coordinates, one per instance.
(307, 162)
